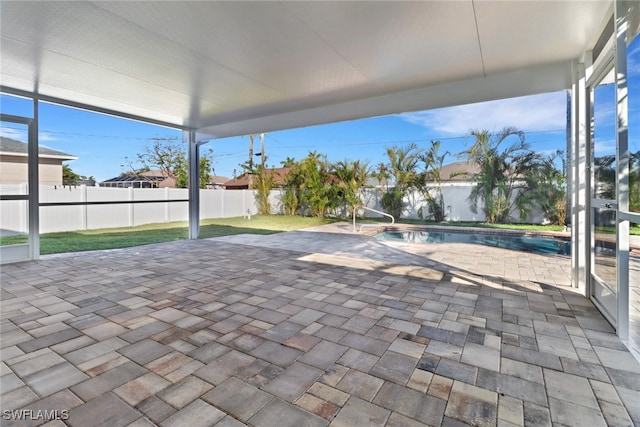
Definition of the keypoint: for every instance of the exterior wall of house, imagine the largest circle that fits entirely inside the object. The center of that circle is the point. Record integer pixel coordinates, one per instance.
(13, 170)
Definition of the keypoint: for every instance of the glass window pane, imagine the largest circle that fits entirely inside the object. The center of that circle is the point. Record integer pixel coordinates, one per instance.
(633, 81)
(14, 222)
(16, 106)
(605, 246)
(634, 287)
(14, 173)
(604, 139)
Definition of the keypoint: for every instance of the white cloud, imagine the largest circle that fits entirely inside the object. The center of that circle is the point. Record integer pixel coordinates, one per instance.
(9, 132)
(45, 136)
(605, 147)
(633, 60)
(21, 135)
(529, 113)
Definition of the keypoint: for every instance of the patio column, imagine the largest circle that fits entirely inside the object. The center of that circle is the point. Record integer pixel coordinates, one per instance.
(621, 14)
(34, 184)
(579, 176)
(194, 182)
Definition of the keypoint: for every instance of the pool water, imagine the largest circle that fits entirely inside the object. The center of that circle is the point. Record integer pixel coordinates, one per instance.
(519, 242)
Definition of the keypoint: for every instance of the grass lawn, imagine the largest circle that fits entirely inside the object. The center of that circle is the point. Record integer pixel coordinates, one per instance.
(112, 238)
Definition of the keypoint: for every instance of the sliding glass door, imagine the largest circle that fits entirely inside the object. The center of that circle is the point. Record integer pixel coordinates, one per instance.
(604, 206)
(17, 205)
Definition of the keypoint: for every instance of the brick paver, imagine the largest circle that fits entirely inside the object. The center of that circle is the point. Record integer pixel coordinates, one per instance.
(309, 327)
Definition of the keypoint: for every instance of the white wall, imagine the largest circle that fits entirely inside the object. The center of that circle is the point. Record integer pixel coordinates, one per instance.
(457, 206)
(213, 204)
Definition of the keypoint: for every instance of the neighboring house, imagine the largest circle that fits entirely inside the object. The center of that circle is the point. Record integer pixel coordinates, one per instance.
(155, 179)
(451, 173)
(242, 182)
(459, 172)
(216, 182)
(149, 179)
(13, 163)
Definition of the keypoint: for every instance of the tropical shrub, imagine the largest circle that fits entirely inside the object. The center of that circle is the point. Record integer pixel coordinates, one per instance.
(402, 167)
(502, 174)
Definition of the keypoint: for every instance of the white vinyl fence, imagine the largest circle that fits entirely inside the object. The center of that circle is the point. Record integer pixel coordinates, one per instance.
(457, 206)
(213, 204)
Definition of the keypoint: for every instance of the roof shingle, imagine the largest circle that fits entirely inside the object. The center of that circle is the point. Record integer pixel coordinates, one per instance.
(12, 146)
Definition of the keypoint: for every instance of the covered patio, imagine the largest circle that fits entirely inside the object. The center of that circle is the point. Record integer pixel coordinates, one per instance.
(315, 327)
(308, 327)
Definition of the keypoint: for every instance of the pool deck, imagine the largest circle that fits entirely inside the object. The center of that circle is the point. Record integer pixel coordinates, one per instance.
(315, 327)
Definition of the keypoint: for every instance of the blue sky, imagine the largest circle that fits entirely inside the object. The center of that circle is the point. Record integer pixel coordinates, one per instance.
(101, 143)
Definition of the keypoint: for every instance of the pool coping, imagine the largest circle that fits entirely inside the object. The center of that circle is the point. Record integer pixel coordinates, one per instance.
(387, 227)
(634, 250)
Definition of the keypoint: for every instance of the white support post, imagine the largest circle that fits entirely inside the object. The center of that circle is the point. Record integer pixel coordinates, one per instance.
(622, 160)
(194, 183)
(581, 170)
(34, 186)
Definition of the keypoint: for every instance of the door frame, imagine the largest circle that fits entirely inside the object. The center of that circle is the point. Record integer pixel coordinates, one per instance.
(30, 250)
(612, 56)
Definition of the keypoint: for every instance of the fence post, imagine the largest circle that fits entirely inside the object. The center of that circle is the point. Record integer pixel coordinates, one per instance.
(131, 206)
(222, 196)
(167, 212)
(83, 198)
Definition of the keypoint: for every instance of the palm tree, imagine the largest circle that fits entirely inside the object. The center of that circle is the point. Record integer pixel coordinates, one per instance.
(69, 177)
(547, 185)
(352, 176)
(291, 190)
(381, 173)
(501, 172)
(433, 162)
(402, 167)
(317, 192)
(288, 162)
(263, 181)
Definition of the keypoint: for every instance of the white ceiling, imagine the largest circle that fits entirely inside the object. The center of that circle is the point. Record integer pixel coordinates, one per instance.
(234, 68)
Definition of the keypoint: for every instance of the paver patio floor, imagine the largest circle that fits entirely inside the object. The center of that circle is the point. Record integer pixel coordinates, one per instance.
(308, 328)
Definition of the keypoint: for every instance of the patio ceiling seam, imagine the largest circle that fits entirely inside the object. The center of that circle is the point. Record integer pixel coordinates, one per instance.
(475, 18)
(330, 45)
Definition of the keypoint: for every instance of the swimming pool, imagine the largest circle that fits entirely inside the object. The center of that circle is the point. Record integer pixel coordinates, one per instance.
(520, 242)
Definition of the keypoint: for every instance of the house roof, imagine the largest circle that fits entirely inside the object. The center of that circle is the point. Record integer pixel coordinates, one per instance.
(135, 178)
(279, 178)
(157, 176)
(459, 171)
(218, 180)
(235, 68)
(14, 147)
